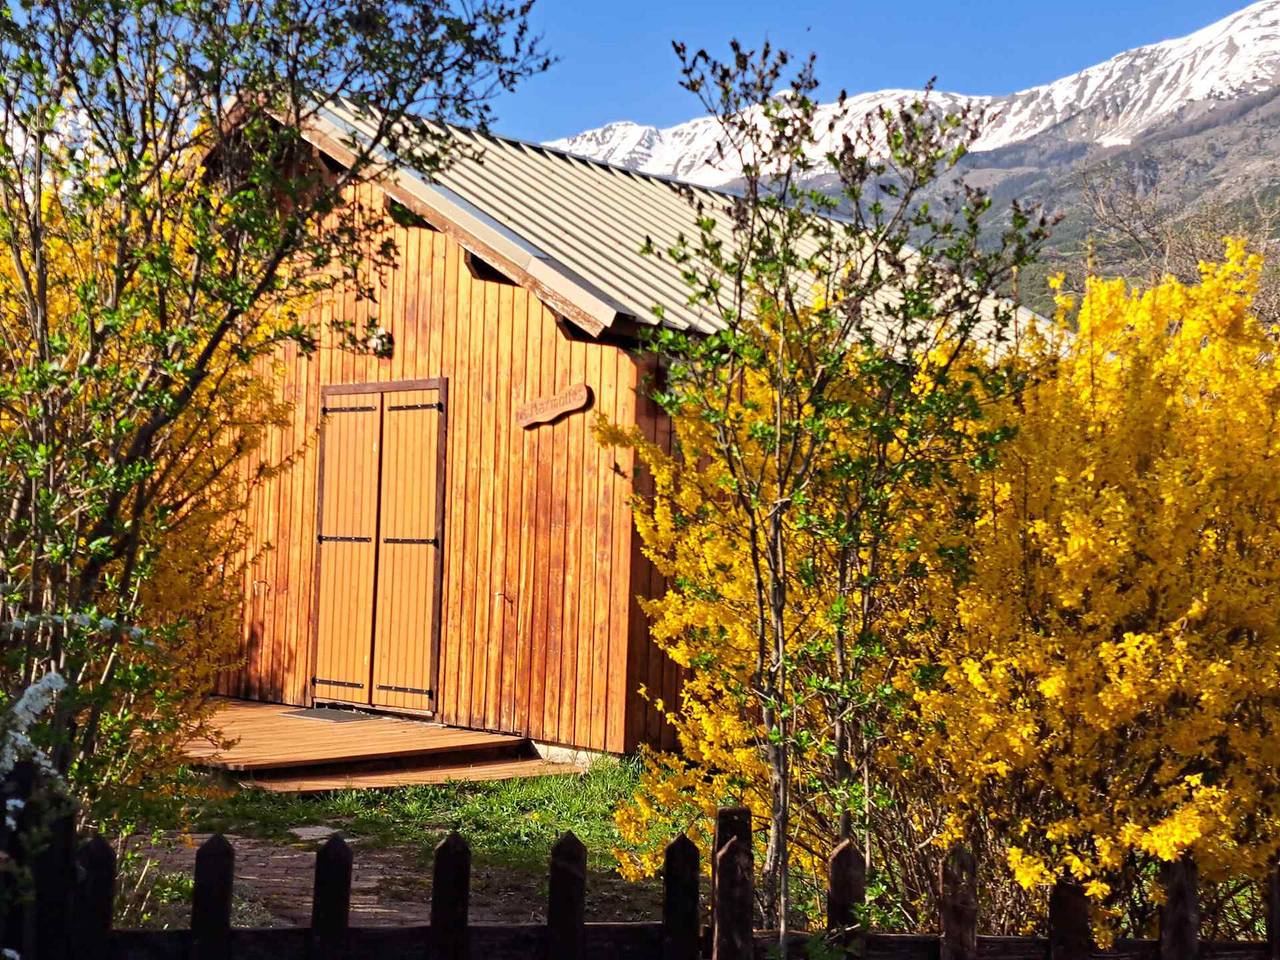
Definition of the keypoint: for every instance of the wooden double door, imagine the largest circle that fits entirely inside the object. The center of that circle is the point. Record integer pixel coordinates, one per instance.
(379, 551)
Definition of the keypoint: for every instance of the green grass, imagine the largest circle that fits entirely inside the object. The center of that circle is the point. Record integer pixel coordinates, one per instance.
(513, 821)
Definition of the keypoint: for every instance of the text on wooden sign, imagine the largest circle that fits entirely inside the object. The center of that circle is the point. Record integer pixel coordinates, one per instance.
(546, 409)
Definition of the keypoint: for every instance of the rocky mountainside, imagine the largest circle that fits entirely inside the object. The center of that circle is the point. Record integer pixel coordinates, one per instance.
(1187, 119)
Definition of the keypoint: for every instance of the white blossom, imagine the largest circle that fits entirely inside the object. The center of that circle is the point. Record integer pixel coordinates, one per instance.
(15, 740)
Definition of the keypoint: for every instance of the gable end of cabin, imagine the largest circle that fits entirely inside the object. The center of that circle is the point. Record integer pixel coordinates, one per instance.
(435, 530)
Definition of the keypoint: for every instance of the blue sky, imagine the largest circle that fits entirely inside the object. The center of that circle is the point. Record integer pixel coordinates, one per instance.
(616, 61)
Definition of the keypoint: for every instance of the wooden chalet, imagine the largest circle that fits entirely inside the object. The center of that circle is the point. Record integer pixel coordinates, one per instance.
(443, 536)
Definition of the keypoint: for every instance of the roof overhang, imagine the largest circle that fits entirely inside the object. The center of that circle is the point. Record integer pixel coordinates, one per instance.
(566, 293)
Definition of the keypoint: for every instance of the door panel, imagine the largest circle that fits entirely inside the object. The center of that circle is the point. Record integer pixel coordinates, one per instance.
(347, 546)
(408, 551)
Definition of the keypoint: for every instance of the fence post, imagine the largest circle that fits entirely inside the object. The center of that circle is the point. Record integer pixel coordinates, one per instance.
(211, 900)
(730, 822)
(94, 901)
(734, 902)
(846, 893)
(1070, 937)
(331, 900)
(680, 900)
(16, 921)
(959, 888)
(1272, 894)
(451, 899)
(1180, 913)
(53, 876)
(566, 900)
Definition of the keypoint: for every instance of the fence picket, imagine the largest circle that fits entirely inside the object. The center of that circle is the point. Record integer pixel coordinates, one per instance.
(730, 822)
(680, 900)
(211, 900)
(451, 899)
(1272, 895)
(846, 893)
(959, 918)
(331, 900)
(1180, 913)
(53, 875)
(734, 903)
(94, 900)
(1070, 937)
(566, 900)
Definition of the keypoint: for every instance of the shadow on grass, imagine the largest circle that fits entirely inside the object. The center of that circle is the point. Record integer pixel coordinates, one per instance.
(511, 826)
(514, 821)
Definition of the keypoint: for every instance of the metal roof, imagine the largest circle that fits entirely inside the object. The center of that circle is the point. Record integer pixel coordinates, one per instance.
(575, 227)
(572, 229)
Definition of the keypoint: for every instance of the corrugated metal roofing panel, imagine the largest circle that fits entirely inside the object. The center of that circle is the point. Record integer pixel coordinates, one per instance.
(588, 219)
(591, 217)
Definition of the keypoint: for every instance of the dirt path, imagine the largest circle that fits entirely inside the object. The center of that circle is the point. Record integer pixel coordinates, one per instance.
(390, 886)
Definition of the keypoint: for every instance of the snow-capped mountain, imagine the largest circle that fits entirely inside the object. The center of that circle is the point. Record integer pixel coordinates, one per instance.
(1111, 104)
(690, 151)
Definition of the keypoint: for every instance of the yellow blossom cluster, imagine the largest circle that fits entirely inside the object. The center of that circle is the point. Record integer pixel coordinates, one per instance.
(188, 588)
(1103, 682)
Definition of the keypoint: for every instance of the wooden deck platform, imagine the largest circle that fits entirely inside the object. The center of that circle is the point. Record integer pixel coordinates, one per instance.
(287, 749)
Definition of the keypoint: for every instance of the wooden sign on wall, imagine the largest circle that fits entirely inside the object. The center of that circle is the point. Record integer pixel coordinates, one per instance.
(546, 409)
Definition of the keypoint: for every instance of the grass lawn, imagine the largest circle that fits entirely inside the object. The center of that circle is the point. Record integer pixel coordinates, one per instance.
(511, 826)
(514, 821)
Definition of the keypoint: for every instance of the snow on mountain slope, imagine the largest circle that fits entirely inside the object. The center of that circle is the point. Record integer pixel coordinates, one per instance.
(1113, 102)
(1108, 104)
(690, 151)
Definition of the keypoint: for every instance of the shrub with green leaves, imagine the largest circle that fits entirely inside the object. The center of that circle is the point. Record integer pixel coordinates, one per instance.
(161, 219)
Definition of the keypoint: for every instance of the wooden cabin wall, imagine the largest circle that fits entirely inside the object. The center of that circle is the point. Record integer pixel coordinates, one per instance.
(541, 635)
(651, 670)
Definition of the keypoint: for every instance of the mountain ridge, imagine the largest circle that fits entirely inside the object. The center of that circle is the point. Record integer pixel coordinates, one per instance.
(1113, 104)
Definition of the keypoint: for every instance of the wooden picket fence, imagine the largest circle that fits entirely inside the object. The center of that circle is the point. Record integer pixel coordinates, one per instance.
(68, 913)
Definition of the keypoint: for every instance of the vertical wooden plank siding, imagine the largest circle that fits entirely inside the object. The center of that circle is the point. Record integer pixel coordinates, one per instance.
(512, 530)
(540, 631)
(648, 667)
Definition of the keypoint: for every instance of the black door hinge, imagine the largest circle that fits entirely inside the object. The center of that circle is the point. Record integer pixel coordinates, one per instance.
(416, 406)
(419, 690)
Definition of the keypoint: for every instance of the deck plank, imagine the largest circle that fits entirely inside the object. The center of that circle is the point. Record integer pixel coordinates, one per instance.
(492, 770)
(267, 737)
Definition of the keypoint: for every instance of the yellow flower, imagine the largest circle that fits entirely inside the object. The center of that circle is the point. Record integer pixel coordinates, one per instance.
(1029, 871)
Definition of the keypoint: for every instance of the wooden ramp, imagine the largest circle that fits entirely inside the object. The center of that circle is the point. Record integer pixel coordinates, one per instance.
(295, 750)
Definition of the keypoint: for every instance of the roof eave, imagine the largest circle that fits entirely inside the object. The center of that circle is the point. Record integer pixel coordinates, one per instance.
(569, 295)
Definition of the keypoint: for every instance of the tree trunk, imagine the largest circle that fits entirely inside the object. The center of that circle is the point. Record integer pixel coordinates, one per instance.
(775, 890)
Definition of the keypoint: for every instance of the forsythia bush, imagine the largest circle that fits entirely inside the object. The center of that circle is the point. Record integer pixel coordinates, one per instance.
(698, 536)
(1077, 641)
(1104, 681)
(189, 603)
